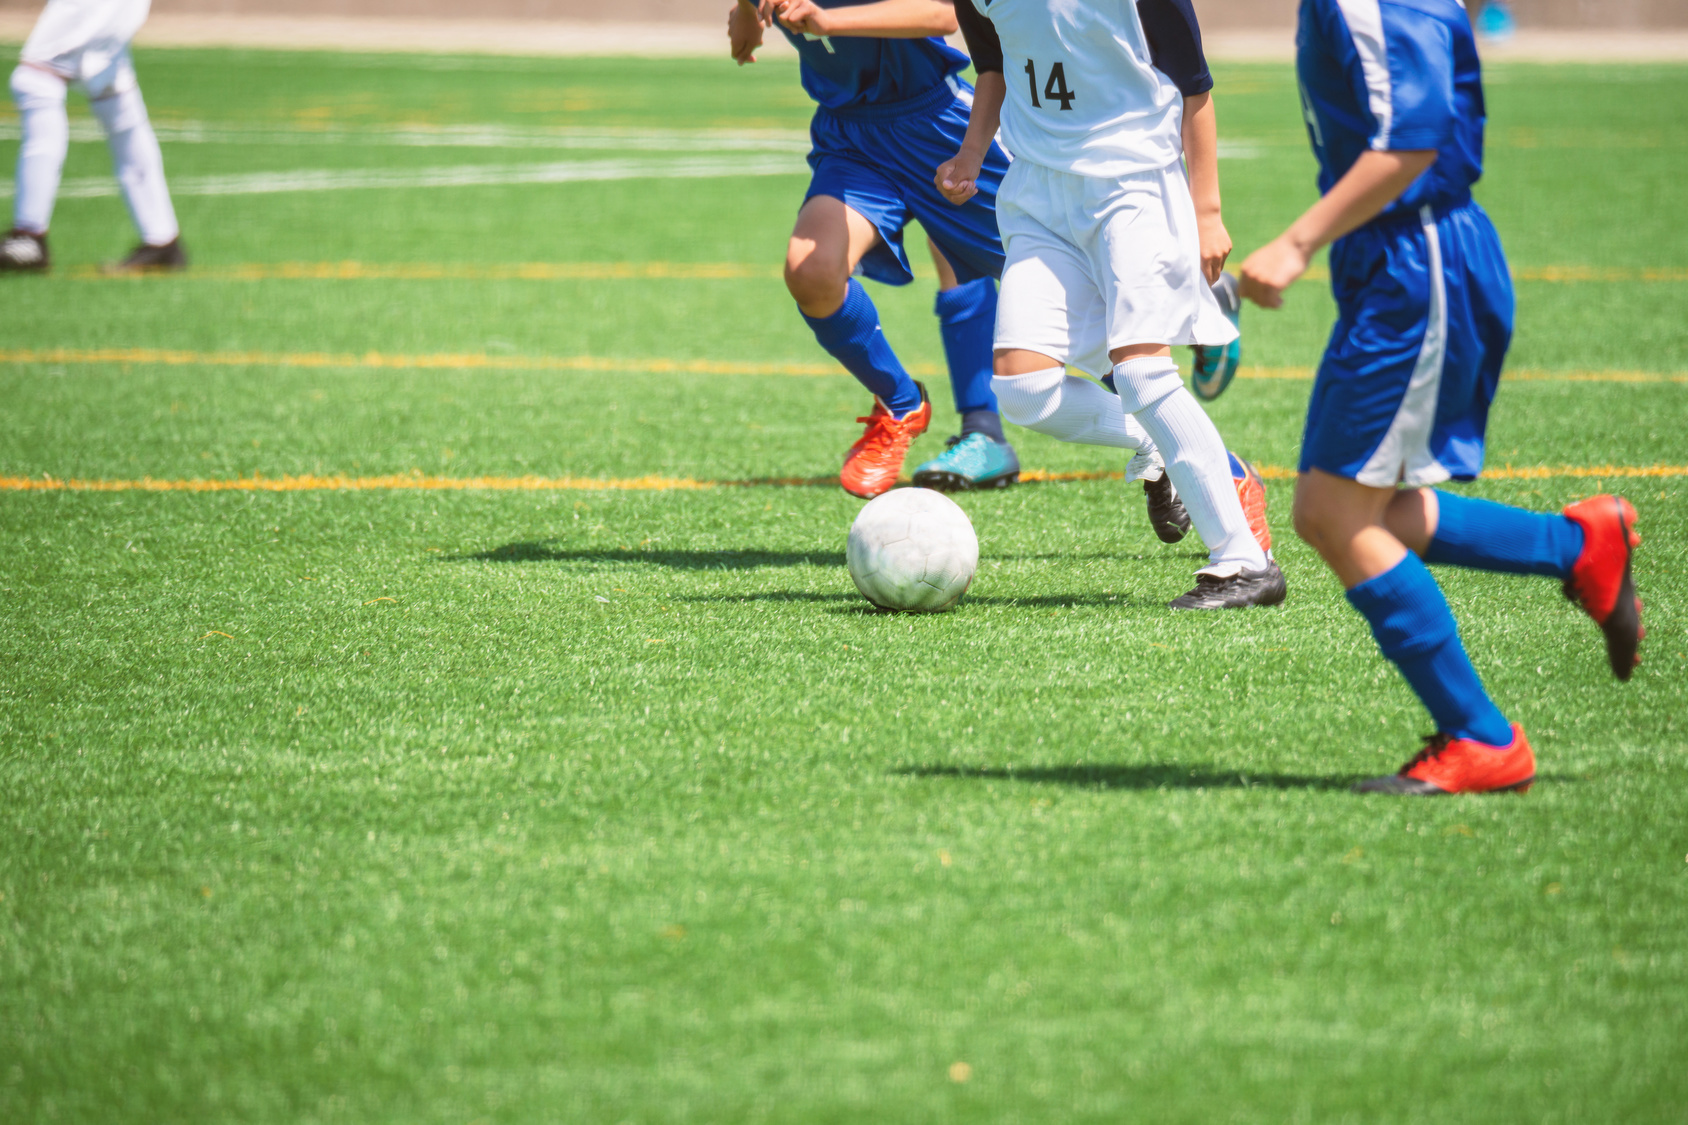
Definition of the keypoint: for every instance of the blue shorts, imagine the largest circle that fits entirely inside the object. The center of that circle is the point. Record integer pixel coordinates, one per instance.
(880, 161)
(1424, 320)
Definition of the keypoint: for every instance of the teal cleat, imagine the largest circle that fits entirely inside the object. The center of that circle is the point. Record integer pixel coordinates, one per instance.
(1215, 367)
(968, 463)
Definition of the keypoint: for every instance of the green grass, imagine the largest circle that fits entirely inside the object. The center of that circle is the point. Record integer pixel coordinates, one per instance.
(623, 809)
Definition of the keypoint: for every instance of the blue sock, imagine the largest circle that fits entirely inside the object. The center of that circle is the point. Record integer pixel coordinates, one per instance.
(1416, 631)
(853, 337)
(967, 321)
(1483, 535)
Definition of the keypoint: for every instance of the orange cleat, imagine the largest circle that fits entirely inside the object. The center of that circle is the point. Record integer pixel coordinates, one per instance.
(1252, 492)
(874, 463)
(1602, 582)
(1461, 765)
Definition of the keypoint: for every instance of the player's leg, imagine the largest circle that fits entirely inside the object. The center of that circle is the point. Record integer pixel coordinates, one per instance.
(1589, 548)
(980, 456)
(40, 97)
(1238, 573)
(1475, 747)
(115, 97)
(830, 239)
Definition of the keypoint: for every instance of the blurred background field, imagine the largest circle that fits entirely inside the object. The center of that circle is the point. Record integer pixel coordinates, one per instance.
(608, 803)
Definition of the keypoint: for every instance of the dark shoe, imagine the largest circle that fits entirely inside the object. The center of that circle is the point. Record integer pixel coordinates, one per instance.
(1245, 588)
(1166, 512)
(23, 251)
(1460, 765)
(153, 259)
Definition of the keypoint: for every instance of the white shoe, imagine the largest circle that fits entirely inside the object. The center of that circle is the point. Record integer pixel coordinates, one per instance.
(1145, 464)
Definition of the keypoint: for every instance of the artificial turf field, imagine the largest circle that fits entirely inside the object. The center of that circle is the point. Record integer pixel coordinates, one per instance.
(576, 802)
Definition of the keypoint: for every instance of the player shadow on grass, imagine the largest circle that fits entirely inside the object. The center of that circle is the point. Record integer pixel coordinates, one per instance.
(728, 559)
(1150, 776)
(546, 550)
(854, 604)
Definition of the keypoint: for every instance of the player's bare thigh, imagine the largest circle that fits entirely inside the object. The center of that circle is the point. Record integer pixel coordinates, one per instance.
(1018, 361)
(826, 245)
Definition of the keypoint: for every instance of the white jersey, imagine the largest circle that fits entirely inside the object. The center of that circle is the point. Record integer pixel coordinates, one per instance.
(78, 39)
(1082, 95)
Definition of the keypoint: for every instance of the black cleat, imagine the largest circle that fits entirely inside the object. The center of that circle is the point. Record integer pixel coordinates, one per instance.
(1245, 588)
(153, 259)
(24, 251)
(1166, 512)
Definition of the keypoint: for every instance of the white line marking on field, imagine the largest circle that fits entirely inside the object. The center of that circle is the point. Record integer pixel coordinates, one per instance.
(492, 135)
(466, 175)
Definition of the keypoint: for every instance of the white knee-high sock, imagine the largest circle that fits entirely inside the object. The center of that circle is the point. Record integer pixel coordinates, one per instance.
(1069, 408)
(139, 164)
(1195, 460)
(40, 99)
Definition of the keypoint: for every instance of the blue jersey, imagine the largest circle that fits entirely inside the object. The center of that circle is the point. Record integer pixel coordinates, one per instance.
(1393, 75)
(853, 73)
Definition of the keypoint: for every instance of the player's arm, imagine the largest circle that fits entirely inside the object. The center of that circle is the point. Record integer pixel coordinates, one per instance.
(745, 21)
(1375, 181)
(1403, 147)
(957, 178)
(886, 19)
(1175, 49)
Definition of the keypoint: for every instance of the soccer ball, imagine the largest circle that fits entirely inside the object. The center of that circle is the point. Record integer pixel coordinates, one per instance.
(912, 550)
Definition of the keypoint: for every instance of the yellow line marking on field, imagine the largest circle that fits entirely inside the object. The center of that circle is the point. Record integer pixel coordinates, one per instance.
(686, 271)
(464, 361)
(421, 482)
(479, 361)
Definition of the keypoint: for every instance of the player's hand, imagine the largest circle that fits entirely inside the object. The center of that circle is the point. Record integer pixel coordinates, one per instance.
(1270, 270)
(1215, 243)
(958, 179)
(744, 32)
(803, 17)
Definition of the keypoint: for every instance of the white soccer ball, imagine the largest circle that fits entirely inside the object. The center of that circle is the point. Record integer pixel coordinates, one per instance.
(912, 550)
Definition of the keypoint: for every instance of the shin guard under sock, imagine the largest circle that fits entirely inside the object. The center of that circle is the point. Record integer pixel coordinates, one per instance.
(40, 99)
(1067, 408)
(139, 164)
(1417, 633)
(967, 322)
(1196, 460)
(853, 337)
(1483, 535)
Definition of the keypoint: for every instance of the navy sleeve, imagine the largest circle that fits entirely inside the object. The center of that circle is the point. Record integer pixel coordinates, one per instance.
(980, 33)
(1175, 43)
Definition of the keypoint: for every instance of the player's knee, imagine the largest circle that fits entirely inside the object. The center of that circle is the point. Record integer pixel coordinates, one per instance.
(1030, 400)
(34, 88)
(117, 78)
(1305, 515)
(812, 280)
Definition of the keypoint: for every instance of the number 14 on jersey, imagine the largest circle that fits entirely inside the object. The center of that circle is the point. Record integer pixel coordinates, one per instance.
(1055, 89)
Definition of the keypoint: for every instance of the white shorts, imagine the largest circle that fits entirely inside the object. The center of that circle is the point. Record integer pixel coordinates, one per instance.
(83, 40)
(1097, 264)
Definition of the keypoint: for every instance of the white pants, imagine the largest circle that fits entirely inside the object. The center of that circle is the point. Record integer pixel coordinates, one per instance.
(79, 39)
(86, 42)
(1097, 264)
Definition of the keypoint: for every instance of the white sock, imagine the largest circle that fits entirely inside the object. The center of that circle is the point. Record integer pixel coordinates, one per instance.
(138, 162)
(40, 100)
(1195, 460)
(1068, 408)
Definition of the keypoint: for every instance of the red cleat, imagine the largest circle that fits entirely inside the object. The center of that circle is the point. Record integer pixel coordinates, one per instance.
(1461, 765)
(876, 461)
(1252, 492)
(1602, 582)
